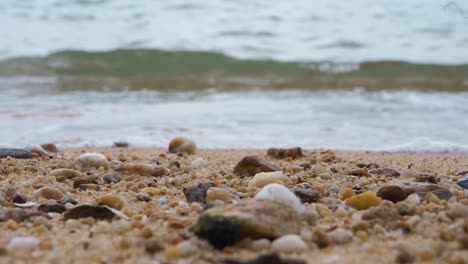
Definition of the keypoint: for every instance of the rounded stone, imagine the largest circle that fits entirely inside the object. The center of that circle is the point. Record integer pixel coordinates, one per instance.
(392, 193)
(111, 201)
(264, 178)
(48, 192)
(182, 145)
(289, 243)
(364, 200)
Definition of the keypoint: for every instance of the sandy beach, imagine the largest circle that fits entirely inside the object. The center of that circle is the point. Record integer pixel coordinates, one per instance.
(426, 225)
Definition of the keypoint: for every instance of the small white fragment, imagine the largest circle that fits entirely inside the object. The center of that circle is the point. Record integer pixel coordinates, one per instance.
(23, 243)
(289, 243)
(198, 163)
(264, 178)
(186, 248)
(95, 160)
(117, 213)
(25, 205)
(278, 193)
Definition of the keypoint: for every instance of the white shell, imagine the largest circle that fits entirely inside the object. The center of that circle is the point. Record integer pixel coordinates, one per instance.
(279, 193)
(25, 205)
(264, 178)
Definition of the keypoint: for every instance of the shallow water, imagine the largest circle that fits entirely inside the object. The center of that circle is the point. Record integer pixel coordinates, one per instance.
(346, 120)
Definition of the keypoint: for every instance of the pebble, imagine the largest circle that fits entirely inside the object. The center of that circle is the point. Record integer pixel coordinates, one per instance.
(197, 191)
(63, 174)
(289, 244)
(383, 215)
(221, 194)
(68, 200)
(251, 165)
(307, 193)
(270, 258)
(346, 193)
(182, 145)
(364, 200)
(84, 181)
(457, 210)
(261, 244)
(96, 212)
(52, 208)
(144, 169)
(358, 172)
(462, 173)
(264, 178)
(426, 177)
(18, 198)
(112, 177)
(280, 194)
(186, 248)
(15, 214)
(392, 193)
(198, 163)
(92, 160)
(23, 243)
(120, 144)
(38, 150)
(341, 236)
(440, 194)
(50, 147)
(419, 187)
(15, 153)
(226, 225)
(281, 153)
(386, 172)
(143, 197)
(463, 182)
(111, 200)
(48, 192)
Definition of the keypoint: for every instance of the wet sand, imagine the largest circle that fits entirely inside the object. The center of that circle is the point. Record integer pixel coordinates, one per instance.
(428, 230)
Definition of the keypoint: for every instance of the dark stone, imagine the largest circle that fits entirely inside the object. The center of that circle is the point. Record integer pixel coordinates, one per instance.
(368, 165)
(82, 211)
(15, 214)
(281, 153)
(49, 147)
(68, 200)
(143, 197)
(392, 193)
(386, 172)
(426, 177)
(251, 165)
(463, 183)
(462, 173)
(112, 177)
(196, 191)
(18, 198)
(404, 257)
(80, 181)
(121, 144)
(307, 193)
(153, 246)
(271, 258)
(52, 208)
(15, 153)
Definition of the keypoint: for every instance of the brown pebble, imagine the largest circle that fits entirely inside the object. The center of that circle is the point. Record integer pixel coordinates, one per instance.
(307, 193)
(251, 165)
(85, 180)
(112, 201)
(121, 144)
(153, 246)
(358, 172)
(18, 198)
(197, 191)
(112, 177)
(52, 208)
(405, 257)
(426, 177)
(48, 192)
(143, 197)
(392, 193)
(386, 172)
(281, 153)
(383, 215)
(50, 147)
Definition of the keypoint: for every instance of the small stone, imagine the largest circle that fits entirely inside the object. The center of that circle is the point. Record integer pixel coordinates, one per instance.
(112, 201)
(18, 198)
(288, 244)
(112, 177)
(261, 244)
(457, 210)
(153, 246)
(96, 212)
(68, 200)
(48, 192)
(15, 153)
(280, 194)
(383, 215)
(121, 144)
(221, 194)
(52, 208)
(196, 191)
(341, 236)
(50, 147)
(144, 169)
(182, 145)
(392, 193)
(386, 172)
(186, 248)
(420, 187)
(198, 163)
(83, 181)
(63, 174)
(264, 178)
(251, 165)
(281, 153)
(462, 173)
(346, 193)
(368, 165)
(307, 193)
(173, 253)
(364, 200)
(92, 160)
(23, 243)
(440, 194)
(153, 191)
(426, 177)
(226, 225)
(15, 214)
(404, 257)
(359, 172)
(463, 182)
(143, 197)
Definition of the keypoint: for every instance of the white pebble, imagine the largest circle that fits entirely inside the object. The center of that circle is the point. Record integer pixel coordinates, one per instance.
(341, 236)
(261, 244)
(198, 163)
(186, 248)
(264, 178)
(23, 243)
(278, 193)
(95, 160)
(289, 243)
